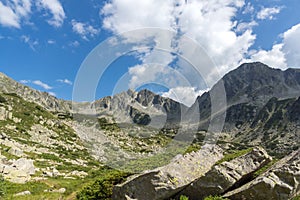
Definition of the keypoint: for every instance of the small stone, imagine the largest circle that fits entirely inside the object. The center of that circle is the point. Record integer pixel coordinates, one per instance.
(23, 193)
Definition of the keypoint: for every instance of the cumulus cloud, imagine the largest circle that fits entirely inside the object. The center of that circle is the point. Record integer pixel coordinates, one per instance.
(56, 10)
(66, 81)
(120, 17)
(41, 84)
(244, 26)
(13, 12)
(291, 44)
(83, 29)
(282, 55)
(210, 23)
(152, 73)
(268, 13)
(185, 95)
(274, 57)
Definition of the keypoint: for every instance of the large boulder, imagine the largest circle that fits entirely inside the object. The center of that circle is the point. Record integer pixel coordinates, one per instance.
(280, 182)
(17, 171)
(24, 165)
(227, 175)
(165, 182)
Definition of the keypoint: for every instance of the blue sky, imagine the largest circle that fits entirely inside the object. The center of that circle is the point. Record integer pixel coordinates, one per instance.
(43, 43)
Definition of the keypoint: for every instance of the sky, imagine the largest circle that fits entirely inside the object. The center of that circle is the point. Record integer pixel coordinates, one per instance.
(177, 48)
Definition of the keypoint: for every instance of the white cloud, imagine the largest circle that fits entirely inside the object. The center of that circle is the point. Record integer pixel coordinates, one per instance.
(84, 30)
(273, 58)
(249, 9)
(41, 84)
(268, 13)
(13, 12)
(25, 81)
(244, 26)
(291, 44)
(38, 83)
(32, 43)
(282, 55)
(55, 8)
(22, 7)
(52, 93)
(66, 81)
(152, 73)
(210, 23)
(51, 41)
(122, 16)
(185, 95)
(74, 44)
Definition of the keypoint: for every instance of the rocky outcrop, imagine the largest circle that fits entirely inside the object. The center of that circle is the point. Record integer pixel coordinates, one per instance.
(165, 182)
(227, 175)
(17, 171)
(280, 182)
(8, 85)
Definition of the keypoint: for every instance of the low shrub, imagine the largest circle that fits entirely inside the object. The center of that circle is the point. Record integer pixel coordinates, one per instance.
(103, 187)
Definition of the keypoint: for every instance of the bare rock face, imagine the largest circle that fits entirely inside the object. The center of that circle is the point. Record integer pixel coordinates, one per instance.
(17, 171)
(280, 182)
(165, 182)
(227, 174)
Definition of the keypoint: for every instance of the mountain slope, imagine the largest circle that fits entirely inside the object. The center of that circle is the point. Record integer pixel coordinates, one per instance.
(8, 85)
(262, 106)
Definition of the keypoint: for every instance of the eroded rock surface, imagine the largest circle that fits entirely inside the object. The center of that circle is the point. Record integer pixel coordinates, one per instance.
(166, 181)
(227, 174)
(280, 182)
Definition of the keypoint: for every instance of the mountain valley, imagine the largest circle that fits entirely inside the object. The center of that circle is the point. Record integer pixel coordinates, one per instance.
(57, 149)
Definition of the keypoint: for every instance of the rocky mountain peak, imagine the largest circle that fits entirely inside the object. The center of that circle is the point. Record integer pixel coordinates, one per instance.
(257, 83)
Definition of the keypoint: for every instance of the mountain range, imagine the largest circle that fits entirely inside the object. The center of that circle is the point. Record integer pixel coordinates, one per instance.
(253, 105)
(261, 106)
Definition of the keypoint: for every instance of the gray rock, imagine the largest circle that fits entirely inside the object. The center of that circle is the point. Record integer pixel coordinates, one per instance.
(18, 171)
(166, 181)
(16, 176)
(61, 190)
(25, 165)
(23, 193)
(16, 151)
(280, 182)
(225, 175)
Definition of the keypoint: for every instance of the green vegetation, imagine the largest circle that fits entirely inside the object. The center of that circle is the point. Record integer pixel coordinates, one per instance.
(193, 147)
(4, 151)
(27, 115)
(265, 168)
(38, 188)
(296, 198)
(102, 188)
(105, 125)
(230, 156)
(182, 197)
(2, 186)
